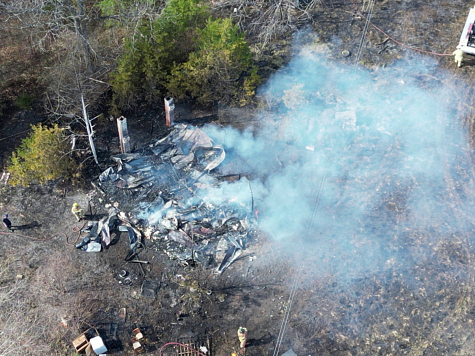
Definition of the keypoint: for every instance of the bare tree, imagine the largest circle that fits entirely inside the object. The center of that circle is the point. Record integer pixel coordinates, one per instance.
(90, 129)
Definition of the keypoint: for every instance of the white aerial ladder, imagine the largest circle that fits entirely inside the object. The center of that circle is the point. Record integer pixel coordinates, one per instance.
(467, 39)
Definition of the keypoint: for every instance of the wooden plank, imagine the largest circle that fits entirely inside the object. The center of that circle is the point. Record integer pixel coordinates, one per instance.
(80, 343)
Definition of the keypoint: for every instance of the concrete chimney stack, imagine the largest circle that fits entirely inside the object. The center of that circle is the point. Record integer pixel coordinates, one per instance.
(124, 137)
(169, 111)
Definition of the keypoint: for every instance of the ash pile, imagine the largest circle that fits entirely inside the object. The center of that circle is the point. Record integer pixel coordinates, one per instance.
(181, 193)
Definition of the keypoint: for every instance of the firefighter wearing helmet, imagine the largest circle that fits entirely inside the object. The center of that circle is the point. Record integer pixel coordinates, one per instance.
(77, 211)
(458, 56)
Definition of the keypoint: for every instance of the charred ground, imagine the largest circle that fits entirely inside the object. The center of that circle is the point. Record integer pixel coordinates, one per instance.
(424, 307)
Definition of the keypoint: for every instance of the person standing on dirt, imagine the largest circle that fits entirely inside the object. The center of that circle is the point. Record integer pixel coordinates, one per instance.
(458, 56)
(77, 211)
(7, 223)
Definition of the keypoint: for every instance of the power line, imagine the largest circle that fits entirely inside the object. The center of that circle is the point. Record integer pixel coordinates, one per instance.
(394, 40)
(365, 30)
(293, 290)
(285, 320)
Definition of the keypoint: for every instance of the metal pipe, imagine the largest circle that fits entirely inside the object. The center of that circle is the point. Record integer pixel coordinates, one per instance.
(124, 137)
(169, 111)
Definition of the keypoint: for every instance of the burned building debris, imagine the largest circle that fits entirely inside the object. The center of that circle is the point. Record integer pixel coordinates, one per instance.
(99, 233)
(165, 189)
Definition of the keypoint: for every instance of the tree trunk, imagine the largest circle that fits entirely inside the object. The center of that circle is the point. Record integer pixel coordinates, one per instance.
(79, 16)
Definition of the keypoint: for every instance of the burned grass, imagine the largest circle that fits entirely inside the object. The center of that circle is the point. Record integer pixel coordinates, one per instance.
(394, 288)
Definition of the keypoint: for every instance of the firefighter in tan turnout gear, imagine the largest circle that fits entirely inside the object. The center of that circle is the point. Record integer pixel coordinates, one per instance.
(77, 211)
(458, 56)
(242, 337)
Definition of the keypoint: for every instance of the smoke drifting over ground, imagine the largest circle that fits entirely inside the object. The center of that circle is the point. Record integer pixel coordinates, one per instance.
(358, 165)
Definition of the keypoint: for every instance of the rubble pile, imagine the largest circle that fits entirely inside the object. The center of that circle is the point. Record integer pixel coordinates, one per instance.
(175, 198)
(105, 231)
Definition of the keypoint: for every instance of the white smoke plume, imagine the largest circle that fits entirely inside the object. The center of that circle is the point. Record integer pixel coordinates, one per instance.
(352, 162)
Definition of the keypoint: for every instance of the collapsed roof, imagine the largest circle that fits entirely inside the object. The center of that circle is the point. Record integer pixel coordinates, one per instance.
(176, 198)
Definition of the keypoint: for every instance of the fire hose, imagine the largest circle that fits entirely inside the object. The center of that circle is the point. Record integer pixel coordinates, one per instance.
(177, 343)
(76, 229)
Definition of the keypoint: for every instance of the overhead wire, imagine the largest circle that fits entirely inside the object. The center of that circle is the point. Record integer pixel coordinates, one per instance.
(297, 276)
(15, 134)
(76, 229)
(365, 31)
(393, 39)
(293, 290)
(30, 237)
(285, 321)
